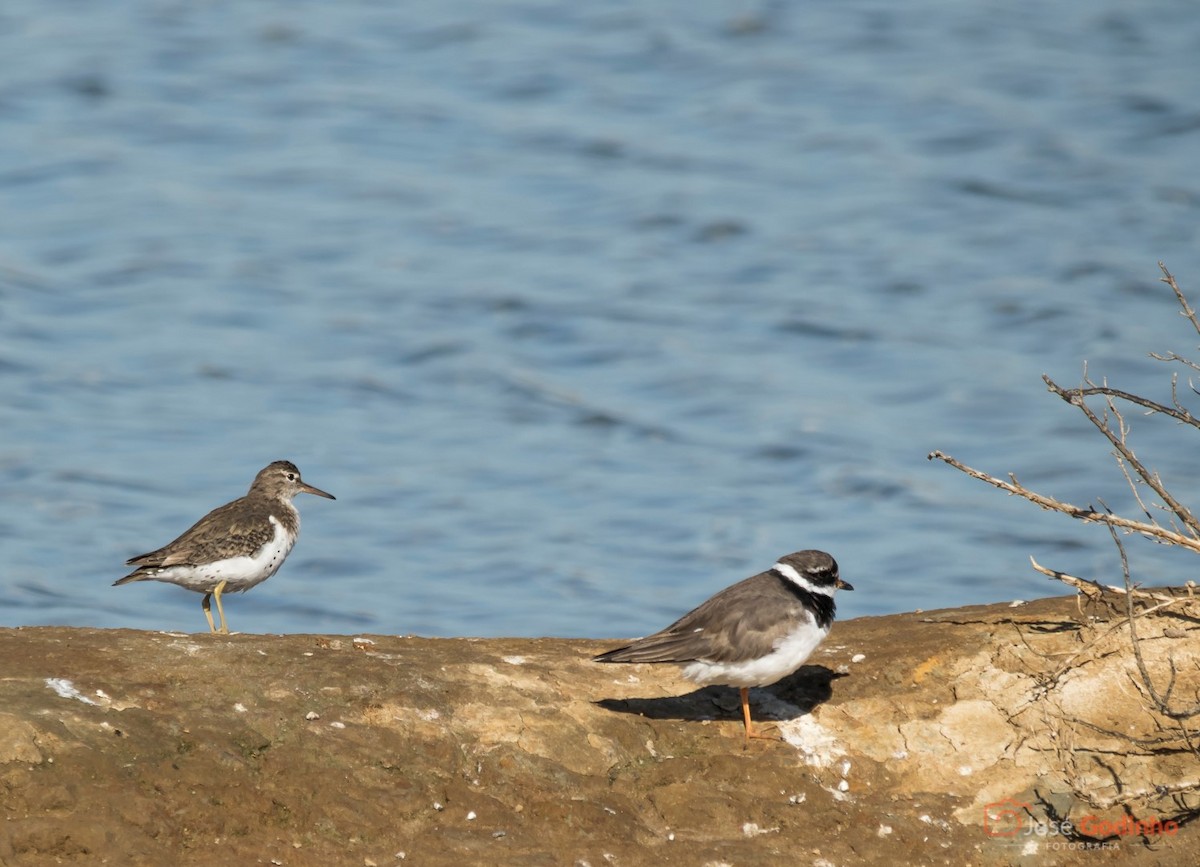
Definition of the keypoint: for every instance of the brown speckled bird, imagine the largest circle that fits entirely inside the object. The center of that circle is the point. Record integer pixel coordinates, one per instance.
(234, 547)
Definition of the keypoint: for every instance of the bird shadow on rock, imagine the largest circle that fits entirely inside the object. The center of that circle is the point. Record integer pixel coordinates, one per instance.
(794, 696)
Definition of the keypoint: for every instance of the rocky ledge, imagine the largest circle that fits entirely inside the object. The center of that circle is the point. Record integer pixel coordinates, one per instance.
(988, 735)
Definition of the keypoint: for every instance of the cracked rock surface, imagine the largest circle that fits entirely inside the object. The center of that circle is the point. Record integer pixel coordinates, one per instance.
(897, 738)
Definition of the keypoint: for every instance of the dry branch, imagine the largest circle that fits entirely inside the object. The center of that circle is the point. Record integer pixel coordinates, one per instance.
(1127, 603)
(1096, 590)
(1088, 513)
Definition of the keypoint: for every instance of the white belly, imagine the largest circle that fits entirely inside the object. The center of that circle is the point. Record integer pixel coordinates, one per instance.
(239, 573)
(788, 655)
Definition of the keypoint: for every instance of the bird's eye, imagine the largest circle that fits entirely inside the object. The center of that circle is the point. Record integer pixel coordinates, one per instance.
(291, 477)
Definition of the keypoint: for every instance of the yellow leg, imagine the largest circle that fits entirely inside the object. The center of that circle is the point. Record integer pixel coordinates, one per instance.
(220, 610)
(207, 606)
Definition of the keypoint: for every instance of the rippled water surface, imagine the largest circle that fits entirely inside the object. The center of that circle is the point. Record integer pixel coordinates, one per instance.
(582, 311)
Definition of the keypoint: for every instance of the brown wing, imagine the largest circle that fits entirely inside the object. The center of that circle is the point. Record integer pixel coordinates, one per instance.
(204, 541)
(741, 622)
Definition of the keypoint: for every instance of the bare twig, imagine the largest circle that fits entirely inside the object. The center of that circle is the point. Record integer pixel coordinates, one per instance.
(1075, 397)
(1177, 412)
(1089, 514)
(1095, 590)
(1162, 701)
(1144, 794)
(1187, 310)
(1127, 761)
(1172, 356)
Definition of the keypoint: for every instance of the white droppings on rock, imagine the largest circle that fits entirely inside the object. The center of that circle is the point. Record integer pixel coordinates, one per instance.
(471, 816)
(312, 715)
(753, 829)
(837, 794)
(429, 715)
(798, 799)
(819, 746)
(337, 724)
(1016, 603)
(858, 657)
(65, 689)
(188, 647)
(514, 660)
(884, 831)
(239, 707)
(437, 805)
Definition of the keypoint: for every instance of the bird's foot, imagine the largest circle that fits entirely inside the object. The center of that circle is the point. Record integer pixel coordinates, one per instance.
(764, 732)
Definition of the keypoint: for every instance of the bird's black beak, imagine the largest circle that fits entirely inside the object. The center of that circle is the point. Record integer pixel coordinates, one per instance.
(843, 585)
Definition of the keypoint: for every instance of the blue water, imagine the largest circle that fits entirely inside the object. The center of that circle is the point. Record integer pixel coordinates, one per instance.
(583, 311)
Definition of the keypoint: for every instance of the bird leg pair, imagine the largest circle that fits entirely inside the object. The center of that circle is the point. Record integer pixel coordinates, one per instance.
(224, 630)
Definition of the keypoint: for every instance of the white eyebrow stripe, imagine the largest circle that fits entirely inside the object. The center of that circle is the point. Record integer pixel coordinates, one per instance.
(789, 572)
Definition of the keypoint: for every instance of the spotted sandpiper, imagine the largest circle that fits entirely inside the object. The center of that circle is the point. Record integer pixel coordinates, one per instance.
(241, 544)
(753, 633)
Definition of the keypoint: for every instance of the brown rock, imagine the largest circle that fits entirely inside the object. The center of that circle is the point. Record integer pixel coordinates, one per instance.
(156, 748)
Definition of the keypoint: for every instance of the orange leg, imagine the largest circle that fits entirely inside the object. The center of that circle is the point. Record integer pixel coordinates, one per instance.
(750, 732)
(746, 711)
